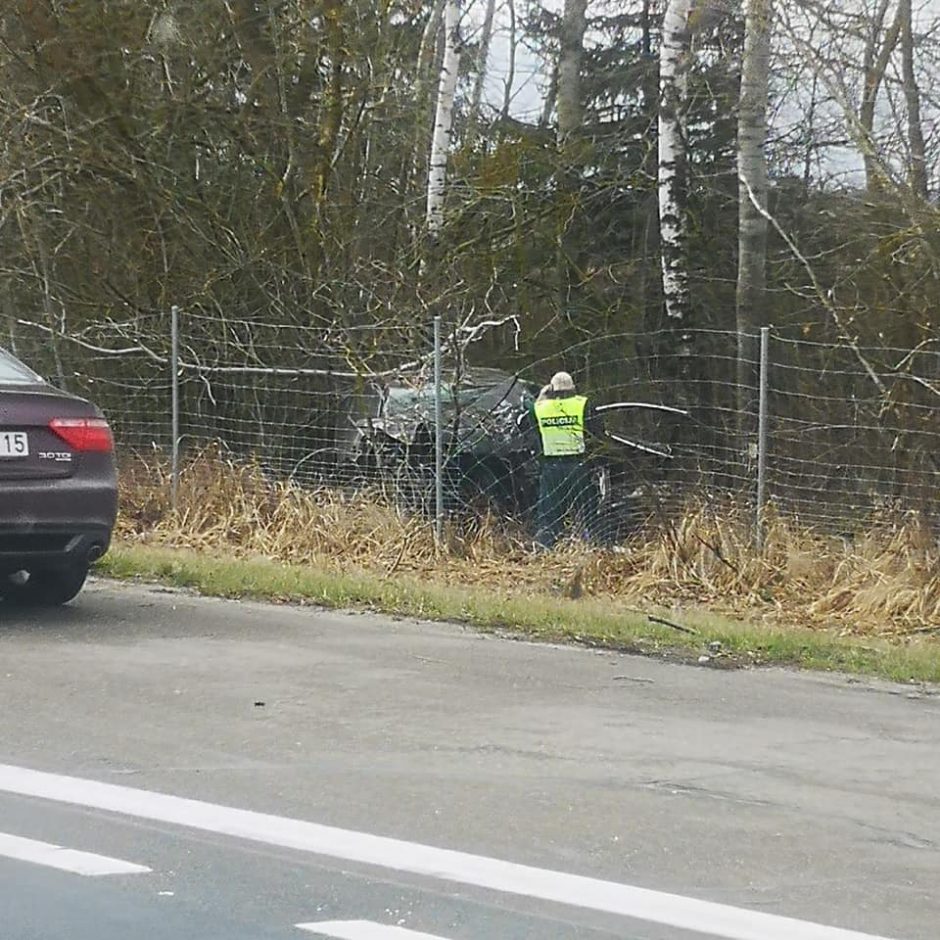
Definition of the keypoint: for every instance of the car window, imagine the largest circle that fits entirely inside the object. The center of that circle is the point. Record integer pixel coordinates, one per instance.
(13, 372)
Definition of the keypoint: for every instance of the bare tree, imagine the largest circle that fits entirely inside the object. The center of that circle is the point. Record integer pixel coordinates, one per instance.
(879, 46)
(333, 100)
(570, 110)
(482, 60)
(915, 127)
(880, 102)
(752, 190)
(511, 65)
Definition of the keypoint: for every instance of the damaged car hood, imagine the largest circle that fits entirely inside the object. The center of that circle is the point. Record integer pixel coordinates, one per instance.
(482, 412)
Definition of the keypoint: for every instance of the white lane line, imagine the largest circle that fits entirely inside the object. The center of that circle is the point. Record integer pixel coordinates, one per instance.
(673, 910)
(364, 930)
(54, 856)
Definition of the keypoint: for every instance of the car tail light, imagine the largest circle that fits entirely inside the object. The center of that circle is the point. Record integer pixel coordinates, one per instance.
(87, 435)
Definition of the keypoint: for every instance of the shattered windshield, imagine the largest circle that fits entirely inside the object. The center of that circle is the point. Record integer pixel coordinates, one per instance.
(401, 400)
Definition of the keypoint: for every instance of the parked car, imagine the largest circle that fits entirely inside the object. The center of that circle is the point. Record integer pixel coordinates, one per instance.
(58, 488)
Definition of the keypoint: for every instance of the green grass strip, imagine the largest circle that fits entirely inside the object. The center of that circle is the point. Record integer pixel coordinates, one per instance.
(539, 616)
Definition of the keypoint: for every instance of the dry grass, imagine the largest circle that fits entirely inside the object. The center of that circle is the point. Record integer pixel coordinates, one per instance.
(885, 584)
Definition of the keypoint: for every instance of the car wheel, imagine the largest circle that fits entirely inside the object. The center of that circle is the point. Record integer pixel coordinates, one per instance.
(44, 587)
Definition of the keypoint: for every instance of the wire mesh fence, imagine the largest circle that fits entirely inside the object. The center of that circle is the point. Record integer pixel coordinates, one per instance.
(851, 433)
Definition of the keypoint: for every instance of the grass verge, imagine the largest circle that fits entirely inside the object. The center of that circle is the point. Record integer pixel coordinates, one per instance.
(595, 621)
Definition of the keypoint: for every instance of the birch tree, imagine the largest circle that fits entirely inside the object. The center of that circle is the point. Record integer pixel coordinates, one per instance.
(443, 120)
(673, 65)
(752, 191)
(414, 177)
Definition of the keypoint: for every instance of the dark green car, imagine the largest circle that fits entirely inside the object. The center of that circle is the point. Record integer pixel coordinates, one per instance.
(488, 450)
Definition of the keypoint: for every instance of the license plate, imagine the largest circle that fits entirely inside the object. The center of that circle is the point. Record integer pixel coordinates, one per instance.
(13, 444)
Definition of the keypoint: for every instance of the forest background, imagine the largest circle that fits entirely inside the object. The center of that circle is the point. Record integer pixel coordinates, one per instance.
(629, 190)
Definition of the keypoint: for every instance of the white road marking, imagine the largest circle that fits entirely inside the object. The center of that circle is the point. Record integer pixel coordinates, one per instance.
(673, 910)
(364, 930)
(54, 856)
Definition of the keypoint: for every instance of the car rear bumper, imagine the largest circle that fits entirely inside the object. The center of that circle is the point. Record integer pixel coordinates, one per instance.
(43, 547)
(55, 525)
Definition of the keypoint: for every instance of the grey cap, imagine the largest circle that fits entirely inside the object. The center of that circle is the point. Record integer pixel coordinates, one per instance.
(562, 382)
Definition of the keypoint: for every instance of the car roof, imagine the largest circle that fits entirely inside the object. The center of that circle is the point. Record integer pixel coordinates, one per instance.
(473, 377)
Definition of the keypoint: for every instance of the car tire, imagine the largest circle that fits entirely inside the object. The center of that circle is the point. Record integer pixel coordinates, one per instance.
(45, 587)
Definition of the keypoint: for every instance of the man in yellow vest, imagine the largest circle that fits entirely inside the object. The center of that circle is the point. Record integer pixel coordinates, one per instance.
(564, 419)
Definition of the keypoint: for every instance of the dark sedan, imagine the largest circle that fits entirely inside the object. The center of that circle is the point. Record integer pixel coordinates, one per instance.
(58, 488)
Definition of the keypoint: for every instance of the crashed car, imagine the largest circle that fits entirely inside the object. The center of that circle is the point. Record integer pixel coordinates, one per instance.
(491, 450)
(488, 454)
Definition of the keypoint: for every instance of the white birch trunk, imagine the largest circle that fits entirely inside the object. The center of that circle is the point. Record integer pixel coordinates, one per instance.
(414, 170)
(443, 120)
(672, 91)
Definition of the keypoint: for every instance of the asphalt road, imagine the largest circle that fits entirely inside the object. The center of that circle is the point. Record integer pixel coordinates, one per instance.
(563, 780)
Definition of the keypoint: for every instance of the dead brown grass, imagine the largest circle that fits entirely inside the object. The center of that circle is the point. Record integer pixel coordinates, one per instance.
(886, 583)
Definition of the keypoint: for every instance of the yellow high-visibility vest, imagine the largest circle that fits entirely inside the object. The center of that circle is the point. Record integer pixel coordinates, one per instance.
(561, 425)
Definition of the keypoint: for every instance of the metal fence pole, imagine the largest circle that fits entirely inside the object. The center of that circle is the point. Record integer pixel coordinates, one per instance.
(438, 436)
(174, 406)
(762, 436)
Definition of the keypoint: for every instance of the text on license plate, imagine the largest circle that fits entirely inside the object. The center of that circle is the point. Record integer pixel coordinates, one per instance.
(13, 444)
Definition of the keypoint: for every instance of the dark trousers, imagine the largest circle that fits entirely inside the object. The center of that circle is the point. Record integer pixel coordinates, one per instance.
(566, 488)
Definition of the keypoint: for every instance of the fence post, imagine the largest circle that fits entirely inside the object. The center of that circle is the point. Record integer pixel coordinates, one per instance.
(174, 406)
(438, 436)
(762, 435)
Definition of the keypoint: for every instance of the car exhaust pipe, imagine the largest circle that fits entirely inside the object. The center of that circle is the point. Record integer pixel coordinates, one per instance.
(94, 553)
